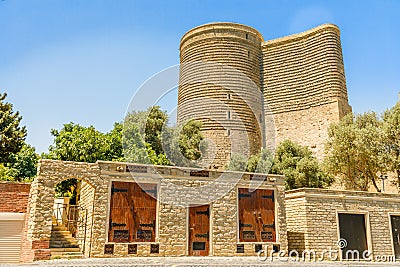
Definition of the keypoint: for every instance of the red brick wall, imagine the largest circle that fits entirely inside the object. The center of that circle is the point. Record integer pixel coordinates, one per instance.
(14, 197)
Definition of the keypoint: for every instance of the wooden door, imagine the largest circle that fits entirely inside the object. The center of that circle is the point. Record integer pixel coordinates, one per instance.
(256, 215)
(395, 221)
(199, 230)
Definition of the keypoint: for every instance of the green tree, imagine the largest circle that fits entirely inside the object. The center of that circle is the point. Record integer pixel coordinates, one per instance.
(146, 138)
(300, 167)
(391, 129)
(258, 163)
(12, 135)
(85, 144)
(237, 162)
(142, 137)
(22, 166)
(261, 162)
(354, 151)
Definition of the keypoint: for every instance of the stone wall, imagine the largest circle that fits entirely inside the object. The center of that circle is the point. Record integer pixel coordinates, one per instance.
(50, 173)
(312, 214)
(86, 203)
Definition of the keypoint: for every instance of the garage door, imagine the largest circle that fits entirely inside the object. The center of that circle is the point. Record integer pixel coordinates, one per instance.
(11, 227)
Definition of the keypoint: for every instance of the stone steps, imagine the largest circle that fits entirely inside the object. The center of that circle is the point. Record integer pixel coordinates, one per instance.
(63, 245)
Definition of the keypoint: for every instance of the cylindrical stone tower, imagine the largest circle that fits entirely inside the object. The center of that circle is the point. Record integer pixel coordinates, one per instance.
(220, 85)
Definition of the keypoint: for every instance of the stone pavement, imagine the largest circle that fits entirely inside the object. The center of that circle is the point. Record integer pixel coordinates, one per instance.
(196, 261)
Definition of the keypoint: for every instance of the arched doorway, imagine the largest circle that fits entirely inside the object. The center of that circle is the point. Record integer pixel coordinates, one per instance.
(45, 215)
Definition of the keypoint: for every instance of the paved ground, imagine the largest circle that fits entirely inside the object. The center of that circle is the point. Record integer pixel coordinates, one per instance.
(197, 261)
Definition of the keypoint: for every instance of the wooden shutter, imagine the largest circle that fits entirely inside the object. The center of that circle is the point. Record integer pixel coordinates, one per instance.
(256, 215)
(121, 216)
(132, 212)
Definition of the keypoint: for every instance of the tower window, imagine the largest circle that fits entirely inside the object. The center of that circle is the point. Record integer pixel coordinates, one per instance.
(247, 36)
(228, 132)
(248, 54)
(228, 96)
(228, 115)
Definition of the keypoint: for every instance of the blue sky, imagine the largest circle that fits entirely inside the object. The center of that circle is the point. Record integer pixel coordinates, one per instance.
(82, 61)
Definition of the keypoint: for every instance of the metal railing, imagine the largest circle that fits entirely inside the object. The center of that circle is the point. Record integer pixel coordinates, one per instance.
(74, 218)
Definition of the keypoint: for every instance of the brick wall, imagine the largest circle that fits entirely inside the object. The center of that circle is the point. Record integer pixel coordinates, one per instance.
(14, 197)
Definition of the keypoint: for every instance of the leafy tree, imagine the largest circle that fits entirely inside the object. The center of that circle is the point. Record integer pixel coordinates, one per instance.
(78, 143)
(141, 137)
(261, 162)
(258, 163)
(22, 167)
(190, 138)
(12, 135)
(391, 129)
(355, 149)
(300, 167)
(237, 162)
(147, 139)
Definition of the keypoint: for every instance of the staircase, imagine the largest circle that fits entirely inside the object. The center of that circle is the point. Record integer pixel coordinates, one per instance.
(63, 245)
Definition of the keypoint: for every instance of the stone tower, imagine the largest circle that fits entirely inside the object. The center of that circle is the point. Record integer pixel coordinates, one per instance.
(250, 93)
(304, 86)
(220, 84)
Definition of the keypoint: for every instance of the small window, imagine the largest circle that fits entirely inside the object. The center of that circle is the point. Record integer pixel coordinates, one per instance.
(228, 132)
(228, 115)
(228, 96)
(247, 36)
(248, 54)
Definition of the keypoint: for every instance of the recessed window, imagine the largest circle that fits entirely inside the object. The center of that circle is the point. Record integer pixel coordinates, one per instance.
(247, 36)
(248, 54)
(228, 115)
(228, 96)
(228, 132)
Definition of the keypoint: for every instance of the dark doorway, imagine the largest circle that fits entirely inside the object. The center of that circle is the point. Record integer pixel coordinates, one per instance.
(353, 232)
(395, 221)
(199, 230)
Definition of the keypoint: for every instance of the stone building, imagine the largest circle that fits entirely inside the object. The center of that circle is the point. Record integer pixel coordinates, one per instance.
(251, 93)
(145, 210)
(343, 225)
(129, 210)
